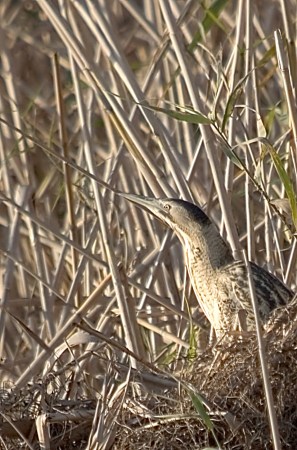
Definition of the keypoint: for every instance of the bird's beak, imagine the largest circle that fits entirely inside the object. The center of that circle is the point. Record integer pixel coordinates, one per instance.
(151, 205)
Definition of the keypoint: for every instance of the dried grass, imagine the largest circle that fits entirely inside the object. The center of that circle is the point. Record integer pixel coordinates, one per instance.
(151, 412)
(97, 321)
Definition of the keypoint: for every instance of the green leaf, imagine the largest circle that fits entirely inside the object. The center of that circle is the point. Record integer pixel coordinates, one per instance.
(233, 97)
(269, 119)
(268, 56)
(285, 179)
(198, 404)
(186, 116)
(192, 352)
(230, 153)
(211, 17)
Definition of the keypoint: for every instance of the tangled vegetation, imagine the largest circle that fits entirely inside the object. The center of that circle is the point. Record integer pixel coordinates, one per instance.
(103, 343)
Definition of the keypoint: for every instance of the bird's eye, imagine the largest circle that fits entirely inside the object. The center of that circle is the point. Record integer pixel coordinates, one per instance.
(167, 207)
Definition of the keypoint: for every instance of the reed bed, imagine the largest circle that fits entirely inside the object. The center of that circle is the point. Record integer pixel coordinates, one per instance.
(103, 344)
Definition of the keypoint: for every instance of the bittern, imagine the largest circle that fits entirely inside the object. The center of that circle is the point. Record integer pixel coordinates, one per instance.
(219, 281)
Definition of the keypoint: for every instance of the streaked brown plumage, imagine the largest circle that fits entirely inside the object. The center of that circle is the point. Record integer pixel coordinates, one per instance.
(219, 282)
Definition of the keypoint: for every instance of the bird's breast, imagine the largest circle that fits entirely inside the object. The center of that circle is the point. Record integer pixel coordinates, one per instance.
(212, 290)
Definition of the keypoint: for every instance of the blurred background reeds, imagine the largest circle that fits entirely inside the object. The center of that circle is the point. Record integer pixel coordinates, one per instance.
(186, 99)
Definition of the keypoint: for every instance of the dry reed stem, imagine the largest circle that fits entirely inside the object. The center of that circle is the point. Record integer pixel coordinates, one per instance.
(69, 146)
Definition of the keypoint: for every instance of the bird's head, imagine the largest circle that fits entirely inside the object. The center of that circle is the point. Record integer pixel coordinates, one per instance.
(190, 223)
(179, 215)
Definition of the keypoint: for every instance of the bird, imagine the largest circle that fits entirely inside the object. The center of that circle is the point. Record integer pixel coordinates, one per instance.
(220, 282)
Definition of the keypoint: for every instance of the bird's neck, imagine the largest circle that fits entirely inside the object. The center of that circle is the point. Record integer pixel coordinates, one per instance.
(208, 248)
